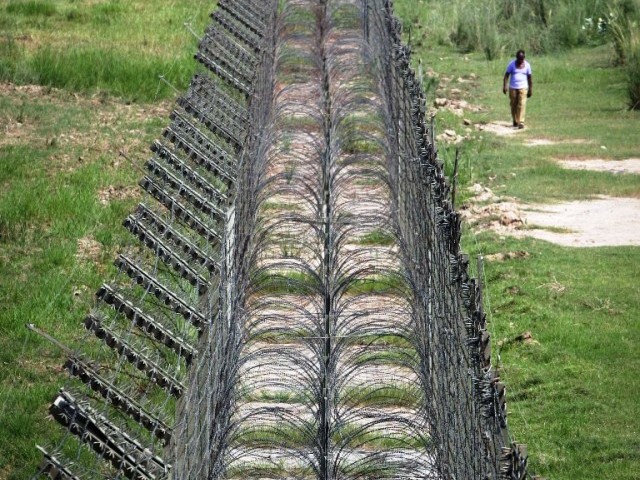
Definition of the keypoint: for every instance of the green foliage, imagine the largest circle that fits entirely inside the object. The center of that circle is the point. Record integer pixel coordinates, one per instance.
(121, 48)
(620, 26)
(377, 284)
(355, 145)
(377, 237)
(569, 395)
(132, 76)
(32, 8)
(476, 28)
(633, 78)
(383, 396)
(499, 27)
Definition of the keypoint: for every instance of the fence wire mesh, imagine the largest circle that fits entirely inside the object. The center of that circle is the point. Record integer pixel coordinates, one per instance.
(298, 306)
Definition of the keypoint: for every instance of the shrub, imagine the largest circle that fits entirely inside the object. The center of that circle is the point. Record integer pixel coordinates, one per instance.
(538, 26)
(491, 43)
(569, 26)
(476, 28)
(466, 36)
(619, 25)
(633, 78)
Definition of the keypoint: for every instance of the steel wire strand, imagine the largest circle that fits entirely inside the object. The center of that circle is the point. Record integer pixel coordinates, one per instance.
(349, 276)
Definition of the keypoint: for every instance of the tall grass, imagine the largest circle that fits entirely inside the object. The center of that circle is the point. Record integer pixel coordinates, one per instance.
(121, 48)
(620, 26)
(633, 78)
(476, 29)
(133, 76)
(498, 26)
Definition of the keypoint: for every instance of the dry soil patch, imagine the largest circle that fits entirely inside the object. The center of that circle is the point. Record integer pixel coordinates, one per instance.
(630, 165)
(499, 128)
(602, 221)
(117, 192)
(542, 142)
(89, 249)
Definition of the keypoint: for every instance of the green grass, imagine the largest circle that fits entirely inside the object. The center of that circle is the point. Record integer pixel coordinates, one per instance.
(50, 200)
(348, 436)
(377, 237)
(571, 396)
(382, 396)
(134, 76)
(28, 8)
(118, 47)
(572, 392)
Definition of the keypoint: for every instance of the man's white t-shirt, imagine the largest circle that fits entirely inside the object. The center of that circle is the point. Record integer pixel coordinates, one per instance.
(518, 76)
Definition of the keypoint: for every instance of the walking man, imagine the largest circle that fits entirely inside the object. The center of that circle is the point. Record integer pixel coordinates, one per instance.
(520, 84)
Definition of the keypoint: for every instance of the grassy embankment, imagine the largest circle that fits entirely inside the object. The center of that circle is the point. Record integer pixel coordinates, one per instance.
(120, 47)
(571, 395)
(64, 187)
(572, 392)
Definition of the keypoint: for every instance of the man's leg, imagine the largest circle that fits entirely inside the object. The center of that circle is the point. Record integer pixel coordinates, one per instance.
(513, 101)
(522, 103)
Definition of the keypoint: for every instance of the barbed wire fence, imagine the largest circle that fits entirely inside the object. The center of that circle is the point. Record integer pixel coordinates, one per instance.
(298, 306)
(468, 412)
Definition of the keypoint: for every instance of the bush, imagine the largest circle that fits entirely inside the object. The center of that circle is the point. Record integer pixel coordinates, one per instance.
(633, 78)
(491, 43)
(476, 28)
(466, 35)
(569, 26)
(538, 26)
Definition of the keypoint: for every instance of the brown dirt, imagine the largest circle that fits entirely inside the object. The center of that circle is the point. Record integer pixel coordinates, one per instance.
(602, 221)
(499, 128)
(14, 132)
(541, 142)
(117, 192)
(89, 249)
(501, 257)
(629, 165)
(456, 106)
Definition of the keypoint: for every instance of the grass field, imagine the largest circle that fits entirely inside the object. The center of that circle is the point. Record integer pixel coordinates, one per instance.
(65, 188)
(572, 391)
(120, 47)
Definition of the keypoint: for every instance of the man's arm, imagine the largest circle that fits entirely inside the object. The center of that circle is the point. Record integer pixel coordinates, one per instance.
(530, 81)
(505, 83)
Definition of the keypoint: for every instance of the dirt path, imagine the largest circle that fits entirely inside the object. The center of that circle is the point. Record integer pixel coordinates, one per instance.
(605, 221)
(627, 166)
(598, 222)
